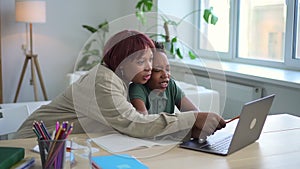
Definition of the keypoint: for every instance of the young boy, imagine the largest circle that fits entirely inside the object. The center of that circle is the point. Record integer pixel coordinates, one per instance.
(160, 93)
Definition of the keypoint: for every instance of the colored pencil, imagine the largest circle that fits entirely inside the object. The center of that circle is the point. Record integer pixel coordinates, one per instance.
(237, 117)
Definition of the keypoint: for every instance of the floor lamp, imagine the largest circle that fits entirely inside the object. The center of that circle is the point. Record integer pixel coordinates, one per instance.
(31, 12)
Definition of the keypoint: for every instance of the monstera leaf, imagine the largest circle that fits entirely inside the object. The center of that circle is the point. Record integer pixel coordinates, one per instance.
(90, 57)
(91, 53)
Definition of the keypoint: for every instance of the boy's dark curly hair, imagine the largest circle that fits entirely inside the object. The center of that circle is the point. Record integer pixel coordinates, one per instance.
(159, 46)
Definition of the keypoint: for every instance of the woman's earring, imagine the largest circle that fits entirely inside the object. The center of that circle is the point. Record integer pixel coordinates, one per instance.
(122, 73)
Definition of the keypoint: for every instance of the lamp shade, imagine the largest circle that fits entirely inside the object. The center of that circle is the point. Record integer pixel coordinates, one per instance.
(31, 11)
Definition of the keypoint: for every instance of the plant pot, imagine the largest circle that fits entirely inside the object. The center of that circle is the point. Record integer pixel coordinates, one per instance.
(168, 46)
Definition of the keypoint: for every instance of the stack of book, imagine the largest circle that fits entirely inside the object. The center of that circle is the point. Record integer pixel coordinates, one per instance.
(9, 156)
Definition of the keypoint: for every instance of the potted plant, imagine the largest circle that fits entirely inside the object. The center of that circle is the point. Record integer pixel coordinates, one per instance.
(91, 53)
(144, 6)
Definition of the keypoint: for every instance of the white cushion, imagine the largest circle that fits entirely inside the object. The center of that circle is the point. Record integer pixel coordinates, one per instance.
(206, 100)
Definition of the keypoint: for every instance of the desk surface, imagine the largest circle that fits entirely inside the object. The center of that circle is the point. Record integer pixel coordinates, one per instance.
(278, 147)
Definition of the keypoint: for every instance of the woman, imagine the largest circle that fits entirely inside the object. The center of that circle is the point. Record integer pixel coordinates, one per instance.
(97, 102)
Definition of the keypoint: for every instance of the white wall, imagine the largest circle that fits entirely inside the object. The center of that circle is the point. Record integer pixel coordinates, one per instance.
(176, 10)
(57, 42)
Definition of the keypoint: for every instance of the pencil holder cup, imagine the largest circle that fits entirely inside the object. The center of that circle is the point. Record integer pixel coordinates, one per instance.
(52, 153)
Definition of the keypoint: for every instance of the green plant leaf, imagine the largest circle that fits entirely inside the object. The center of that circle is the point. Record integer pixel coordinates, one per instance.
(192, 55)
(104, 26)
(214, 19)
(144, 5)
(90, 28)
(158, 35)
(172, 49)
(174, 40)
(206, 14)
(209, 16)
(140, 16)
(178, 53)
(141, 7)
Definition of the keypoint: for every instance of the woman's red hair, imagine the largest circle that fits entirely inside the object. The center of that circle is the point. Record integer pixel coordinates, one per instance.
(124, 44)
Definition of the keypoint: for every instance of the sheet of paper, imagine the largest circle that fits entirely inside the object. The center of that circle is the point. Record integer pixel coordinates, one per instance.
(119, 143)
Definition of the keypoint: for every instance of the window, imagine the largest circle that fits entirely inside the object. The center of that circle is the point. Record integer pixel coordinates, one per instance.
(261, 29)
(263, 32)
(210, 34)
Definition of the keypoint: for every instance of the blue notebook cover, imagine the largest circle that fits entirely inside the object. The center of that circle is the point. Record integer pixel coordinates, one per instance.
(117, 162)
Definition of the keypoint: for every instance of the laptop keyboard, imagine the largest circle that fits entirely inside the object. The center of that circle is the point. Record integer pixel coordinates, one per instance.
(221, 145)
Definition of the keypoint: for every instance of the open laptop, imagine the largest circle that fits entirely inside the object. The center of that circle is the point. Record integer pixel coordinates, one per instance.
(247, 131)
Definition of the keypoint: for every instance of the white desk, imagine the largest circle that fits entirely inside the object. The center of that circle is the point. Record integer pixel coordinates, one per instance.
(277, 148)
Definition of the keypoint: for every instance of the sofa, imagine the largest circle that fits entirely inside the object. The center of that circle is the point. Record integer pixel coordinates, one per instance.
(12, 115)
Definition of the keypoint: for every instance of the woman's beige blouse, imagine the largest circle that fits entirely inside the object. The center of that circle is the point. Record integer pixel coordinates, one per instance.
(97, 103)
